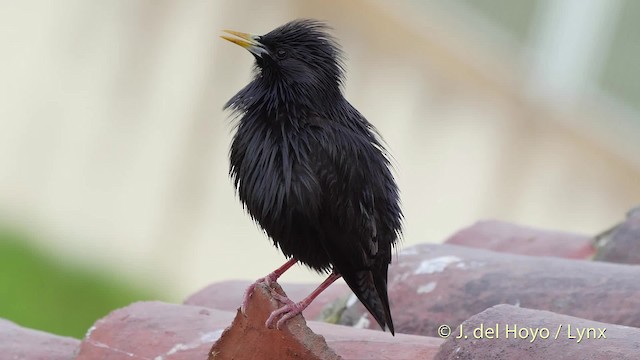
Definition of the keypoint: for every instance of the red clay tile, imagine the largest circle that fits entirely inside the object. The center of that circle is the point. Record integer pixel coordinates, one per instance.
(18, 343)
(154, 330)
(248, 338)
(622, 243)
(431, 285)
(159, 331)
(363, 344)
(515, 239)
(507, 332)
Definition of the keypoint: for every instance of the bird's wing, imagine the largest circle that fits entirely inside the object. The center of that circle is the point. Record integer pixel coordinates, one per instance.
(353, 175)
(346, 173)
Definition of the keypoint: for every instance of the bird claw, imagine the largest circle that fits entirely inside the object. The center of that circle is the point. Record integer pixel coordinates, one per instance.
(288, 311)
(282, 298)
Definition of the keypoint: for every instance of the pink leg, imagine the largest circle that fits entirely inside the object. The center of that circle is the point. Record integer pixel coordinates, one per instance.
(292, 309)
(267, 280)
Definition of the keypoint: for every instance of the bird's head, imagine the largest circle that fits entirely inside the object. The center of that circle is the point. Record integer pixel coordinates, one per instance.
(299, 60)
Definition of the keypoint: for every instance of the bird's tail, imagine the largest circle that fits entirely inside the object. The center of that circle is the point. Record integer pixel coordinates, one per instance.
(370, 286)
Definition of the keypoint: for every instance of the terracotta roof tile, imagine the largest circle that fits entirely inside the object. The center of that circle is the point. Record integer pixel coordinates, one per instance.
(18, 343)
(557, 337)
(516, 239)
(622, 243)
(430, 286)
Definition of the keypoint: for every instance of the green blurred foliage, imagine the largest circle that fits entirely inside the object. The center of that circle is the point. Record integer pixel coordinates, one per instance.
(40, 292)
(621, 73)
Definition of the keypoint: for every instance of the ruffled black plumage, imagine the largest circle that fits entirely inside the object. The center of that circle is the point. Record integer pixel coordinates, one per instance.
(310, 169)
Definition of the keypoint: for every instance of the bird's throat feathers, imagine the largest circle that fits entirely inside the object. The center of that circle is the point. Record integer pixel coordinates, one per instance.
(279, 101)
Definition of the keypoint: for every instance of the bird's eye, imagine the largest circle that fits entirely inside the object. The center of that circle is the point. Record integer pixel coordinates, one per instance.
(281, 53)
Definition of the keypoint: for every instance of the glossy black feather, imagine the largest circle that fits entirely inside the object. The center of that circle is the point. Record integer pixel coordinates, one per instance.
(310, 169)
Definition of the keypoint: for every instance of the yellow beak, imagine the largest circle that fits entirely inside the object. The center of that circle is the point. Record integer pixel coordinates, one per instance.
(247, 41)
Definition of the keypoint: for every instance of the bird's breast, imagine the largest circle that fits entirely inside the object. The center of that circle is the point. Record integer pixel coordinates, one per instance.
(272, 173)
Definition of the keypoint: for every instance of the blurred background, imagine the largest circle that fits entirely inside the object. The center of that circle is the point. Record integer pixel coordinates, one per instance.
(113, 143)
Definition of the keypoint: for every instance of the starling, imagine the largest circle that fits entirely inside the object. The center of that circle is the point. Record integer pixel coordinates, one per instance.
(311, 170)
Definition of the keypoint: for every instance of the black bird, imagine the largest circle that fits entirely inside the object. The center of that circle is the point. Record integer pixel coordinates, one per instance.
(311, 170)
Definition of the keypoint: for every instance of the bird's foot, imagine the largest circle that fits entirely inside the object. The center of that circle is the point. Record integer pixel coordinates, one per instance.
(282, 298)
(267, 280)
(285, 313)
(291, 309)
